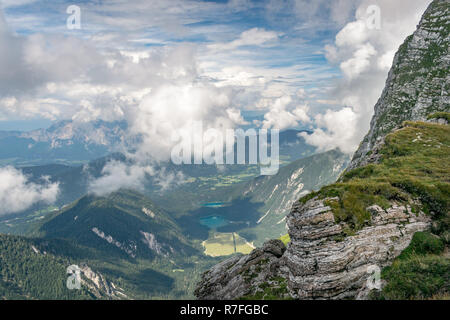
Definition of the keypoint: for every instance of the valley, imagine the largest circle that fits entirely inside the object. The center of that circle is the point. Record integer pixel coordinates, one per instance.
(225, 150)
(156, 245)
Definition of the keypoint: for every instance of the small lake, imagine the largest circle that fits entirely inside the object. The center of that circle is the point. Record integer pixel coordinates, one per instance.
(223, 217)
(213, 205)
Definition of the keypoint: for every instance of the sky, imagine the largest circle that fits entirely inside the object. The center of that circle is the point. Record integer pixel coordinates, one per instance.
(295, 63)
(163, 65)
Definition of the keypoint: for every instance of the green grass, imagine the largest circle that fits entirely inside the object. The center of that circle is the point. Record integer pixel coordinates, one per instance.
(414, 170)
(422, 271)
(423, 243)
(285, 239)
(274, 289)
(440, 115)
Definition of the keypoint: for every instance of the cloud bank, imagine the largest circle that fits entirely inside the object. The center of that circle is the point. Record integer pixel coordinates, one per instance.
(18, 194)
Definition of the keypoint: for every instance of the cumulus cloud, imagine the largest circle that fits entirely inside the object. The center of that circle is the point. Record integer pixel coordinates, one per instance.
(359, 63)
(66, 77)
(364, 55)
(281, 116)
(167, 116)
(251, 37)
(17, 193)
(339, 131)
(117, 175)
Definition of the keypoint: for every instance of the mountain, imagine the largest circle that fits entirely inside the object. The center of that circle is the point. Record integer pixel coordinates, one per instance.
(254, 211)
(125, 247)
(124, 223)
(277, 193)
(387, 216)
(208, 181)
(74, 180)
(65, 142)
(125, 236)
(71, 143)
(28, 271)
(417, 84)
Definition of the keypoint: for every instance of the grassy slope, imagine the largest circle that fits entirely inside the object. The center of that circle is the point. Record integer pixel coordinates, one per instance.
(421, 272)
(414, 171)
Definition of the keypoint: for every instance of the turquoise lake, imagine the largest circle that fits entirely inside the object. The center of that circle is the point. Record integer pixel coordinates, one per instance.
(213, 222)
(213, 205)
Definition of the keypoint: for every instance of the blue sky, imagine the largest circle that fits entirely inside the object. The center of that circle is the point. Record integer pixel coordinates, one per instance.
(297, 49)
(295, 63)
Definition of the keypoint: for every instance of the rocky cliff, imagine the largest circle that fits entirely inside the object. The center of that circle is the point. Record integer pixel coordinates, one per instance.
(322, 262)
(418, 82)
(396, 190)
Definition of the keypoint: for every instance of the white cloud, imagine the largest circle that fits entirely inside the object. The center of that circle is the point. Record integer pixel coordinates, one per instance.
(283, 115)
(117, 175)
(339, 131)
(251, 37)
(17, 193)
(62, 77)
(360, 62)
(167, 115)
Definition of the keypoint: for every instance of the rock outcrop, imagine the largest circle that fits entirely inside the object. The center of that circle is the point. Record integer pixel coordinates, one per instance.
(418, 82)
(242, 275)
(323, 262)
(99, 286)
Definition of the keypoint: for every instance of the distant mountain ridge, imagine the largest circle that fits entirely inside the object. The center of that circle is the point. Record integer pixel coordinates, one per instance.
(70, 142)
(65, 142)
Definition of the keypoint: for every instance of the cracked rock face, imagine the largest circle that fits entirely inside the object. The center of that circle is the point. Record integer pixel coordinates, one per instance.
(418, 83)
(321, 262)
(240, 275)
(99, 286)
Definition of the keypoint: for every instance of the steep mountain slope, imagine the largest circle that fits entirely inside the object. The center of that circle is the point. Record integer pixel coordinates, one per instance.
(418, 83)
(28, 271)
(389, 210)
(123, 223)
(125, 246)
(277, 193)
